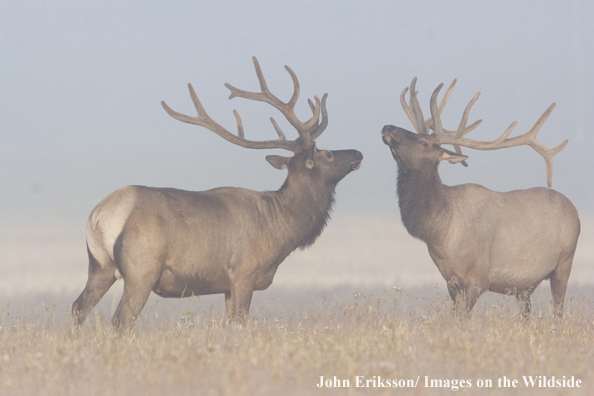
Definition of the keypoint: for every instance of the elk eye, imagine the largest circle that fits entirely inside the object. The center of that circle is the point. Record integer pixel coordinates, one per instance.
(329, 155)
(423, 143)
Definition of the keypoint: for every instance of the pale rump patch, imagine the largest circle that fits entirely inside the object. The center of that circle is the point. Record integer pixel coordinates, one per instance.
(115, 208)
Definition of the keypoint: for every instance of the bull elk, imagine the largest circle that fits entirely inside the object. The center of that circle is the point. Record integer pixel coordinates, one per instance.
(481, 240)
(226, 240)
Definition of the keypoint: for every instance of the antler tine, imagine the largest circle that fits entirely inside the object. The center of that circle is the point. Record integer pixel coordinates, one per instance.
(446, 96)
(442, 103)
(416, 109)
(266, 92)
(307, 130)
(311, 106)
(471, 127)
(279, 131)
(322, 126)
(261, 79)
(312, 124)
(435, 121)
(297, 88)
(435, 114)
(407, 109)
(547, 153)
(462, 127)
(204, 120)
(239, 124)
(528, 138)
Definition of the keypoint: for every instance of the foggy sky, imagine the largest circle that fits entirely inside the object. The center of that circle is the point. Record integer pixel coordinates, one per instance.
(81, 85)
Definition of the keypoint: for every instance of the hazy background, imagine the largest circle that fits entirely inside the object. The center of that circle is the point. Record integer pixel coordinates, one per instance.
(80, 115)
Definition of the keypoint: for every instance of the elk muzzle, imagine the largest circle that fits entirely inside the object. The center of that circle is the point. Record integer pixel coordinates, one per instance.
(356, 161)
(392, 136)
(387, 135)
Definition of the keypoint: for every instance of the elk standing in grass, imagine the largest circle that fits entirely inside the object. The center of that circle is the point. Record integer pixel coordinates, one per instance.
(480, 239)
(227, 240)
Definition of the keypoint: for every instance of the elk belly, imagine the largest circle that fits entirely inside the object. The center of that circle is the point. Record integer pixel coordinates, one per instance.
(519, 273)
(176, 284)
(522, 252)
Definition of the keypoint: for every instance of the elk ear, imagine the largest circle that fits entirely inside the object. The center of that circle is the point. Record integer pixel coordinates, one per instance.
(278, 161)
(451, 157)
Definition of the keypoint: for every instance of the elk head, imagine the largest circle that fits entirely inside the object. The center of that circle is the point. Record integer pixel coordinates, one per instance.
(417, 151)
(327, 166)
(413, 150)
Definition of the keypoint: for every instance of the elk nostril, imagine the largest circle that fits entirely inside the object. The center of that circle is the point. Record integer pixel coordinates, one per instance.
(388, 128)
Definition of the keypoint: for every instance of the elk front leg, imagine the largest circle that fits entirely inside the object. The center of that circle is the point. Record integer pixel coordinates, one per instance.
(238, 301)
(465, 293)
(524, 303)
(228, 304)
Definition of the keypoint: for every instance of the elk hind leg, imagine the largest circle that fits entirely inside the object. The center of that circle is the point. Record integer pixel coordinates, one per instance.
(101, 278)
(559, 279)
(137, 289)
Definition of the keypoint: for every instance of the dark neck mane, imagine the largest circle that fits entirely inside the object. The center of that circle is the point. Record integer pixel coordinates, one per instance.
(309, 208)
(421, 199)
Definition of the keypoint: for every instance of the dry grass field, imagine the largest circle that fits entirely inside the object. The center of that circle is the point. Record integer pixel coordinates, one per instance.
(308, 324)
(184, 347)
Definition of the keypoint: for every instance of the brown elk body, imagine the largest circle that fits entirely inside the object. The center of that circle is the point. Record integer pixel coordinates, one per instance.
(479, 239)
(226, 240)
